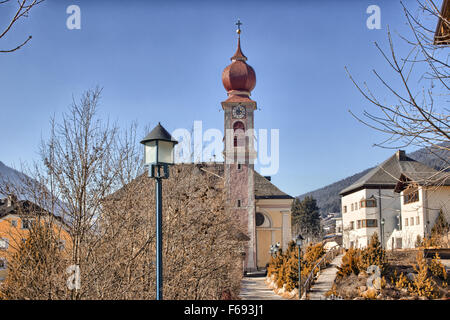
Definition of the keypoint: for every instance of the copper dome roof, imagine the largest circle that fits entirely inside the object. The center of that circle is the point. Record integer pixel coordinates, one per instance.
(239, 76)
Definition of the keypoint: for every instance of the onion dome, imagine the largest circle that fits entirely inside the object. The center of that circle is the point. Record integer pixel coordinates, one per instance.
(239, 78)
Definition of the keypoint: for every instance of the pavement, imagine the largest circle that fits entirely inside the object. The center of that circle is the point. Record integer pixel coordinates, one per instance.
(325, 281)
(255, 288)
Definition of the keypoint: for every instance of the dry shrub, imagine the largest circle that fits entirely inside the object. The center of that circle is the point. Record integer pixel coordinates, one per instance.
(373, 254)
(275, 265)
(285, 265)
(350, 263)
(357, 260)
(437, 268)
(422, 284)
(401, 282)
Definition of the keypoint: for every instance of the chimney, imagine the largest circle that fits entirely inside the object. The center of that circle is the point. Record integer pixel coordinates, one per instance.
(401, 155)
(9, 201)
(268, 178)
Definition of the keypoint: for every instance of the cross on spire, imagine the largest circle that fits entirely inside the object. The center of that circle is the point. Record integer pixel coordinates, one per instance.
(239, 23)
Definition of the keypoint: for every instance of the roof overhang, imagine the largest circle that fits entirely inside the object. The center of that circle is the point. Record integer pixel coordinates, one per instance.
(366, 186)
(442, 33)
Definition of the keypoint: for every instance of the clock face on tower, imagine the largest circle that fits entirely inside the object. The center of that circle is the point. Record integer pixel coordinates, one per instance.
(238, 112)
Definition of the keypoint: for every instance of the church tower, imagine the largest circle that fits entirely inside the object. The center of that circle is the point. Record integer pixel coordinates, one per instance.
(239, 80)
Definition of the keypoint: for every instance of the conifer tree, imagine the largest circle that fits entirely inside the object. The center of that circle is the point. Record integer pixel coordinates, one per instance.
(374, 254)
(306, 217)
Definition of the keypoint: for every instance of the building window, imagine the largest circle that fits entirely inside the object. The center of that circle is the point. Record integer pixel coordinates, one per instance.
(344, 209)
(356, 205)
(26, 224)
(406, 222)
(239, 166)
(371, 223)
(239, 203)
(417, 220)
(4, 243)
(352, 225)
(367, 223)
(412, 221)
(352, 206)
(368, 203)
(358, 224)
(410, 195)
(2, 263)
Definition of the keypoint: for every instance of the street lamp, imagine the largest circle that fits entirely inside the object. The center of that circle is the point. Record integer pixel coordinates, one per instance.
(299, 242)
(275, 248)
(158, 154)
(382, 233)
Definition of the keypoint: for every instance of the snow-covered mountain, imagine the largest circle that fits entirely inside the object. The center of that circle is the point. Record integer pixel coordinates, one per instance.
(9, 175)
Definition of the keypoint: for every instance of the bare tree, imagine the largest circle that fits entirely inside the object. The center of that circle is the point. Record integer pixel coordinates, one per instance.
(90, 175)
(22, 11)
(420, 116)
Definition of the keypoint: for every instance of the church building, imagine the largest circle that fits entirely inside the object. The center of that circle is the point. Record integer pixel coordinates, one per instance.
(262, 208)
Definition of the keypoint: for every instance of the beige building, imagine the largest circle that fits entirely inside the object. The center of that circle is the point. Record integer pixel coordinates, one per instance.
(273, 218)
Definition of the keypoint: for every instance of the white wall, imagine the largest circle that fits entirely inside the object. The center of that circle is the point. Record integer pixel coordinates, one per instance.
(431, 200)
(390, 205)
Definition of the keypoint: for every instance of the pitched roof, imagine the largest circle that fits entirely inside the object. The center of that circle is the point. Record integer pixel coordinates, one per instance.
(24, 208)
(264, 189)
(388, 173)
(436, 178)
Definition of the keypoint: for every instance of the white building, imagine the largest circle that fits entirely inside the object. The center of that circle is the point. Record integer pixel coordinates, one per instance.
(374, 204)
(422, 196)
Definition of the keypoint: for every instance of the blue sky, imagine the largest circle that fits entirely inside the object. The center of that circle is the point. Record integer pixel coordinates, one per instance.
(162, 61)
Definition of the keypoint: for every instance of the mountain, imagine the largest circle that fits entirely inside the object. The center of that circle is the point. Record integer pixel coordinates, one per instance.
(13, 176)
(9, 174)
(328, 199)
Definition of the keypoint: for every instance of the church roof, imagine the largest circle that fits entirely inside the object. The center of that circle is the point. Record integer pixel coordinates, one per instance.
(264, 189)
(387, 174)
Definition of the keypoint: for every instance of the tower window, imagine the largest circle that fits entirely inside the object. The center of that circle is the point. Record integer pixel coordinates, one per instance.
(239, 203)
(239, 133)
(239, 166)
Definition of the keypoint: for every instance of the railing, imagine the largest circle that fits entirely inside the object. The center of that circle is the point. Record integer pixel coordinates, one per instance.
(323, 262)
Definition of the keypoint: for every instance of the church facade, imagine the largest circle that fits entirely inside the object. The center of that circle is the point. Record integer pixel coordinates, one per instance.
(263, 210)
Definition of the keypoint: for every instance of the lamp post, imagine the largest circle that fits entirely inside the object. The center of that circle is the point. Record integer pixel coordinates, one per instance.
(299, 242)
(276, 248)
(158, 154)
(272, 250)
(382, 233)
